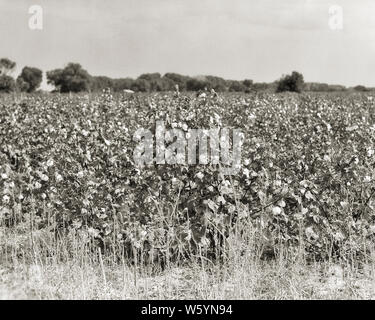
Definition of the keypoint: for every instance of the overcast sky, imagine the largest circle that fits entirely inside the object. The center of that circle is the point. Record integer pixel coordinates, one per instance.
(234, 39)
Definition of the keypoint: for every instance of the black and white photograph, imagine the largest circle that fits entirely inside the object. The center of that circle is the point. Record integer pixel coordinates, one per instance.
(201, 150)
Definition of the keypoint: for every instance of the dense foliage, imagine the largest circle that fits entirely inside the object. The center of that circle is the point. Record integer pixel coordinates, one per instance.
(152, 82)
(7, 84)
(293, 82)
(6, 66)
(29, 79)
(73, 78)
(307, 177)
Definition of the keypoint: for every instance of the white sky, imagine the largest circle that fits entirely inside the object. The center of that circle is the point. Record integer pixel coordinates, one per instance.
(234, 39)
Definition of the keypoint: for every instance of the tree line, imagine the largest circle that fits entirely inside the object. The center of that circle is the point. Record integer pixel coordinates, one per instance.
(28, 81)
(74, 78)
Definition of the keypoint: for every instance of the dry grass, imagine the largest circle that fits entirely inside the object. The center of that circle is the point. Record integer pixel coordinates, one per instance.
(41, 267)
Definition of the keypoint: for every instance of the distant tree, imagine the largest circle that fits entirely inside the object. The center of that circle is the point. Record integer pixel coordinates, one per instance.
(140, 85)
(248, 84)
(194, 84)
(99, 83)
(316, 87)
(178, 79)
(155, 82)
(29, 79)
(293, 82)
(216, 83)
(259, 86)
(122, 84)
(150, 76)
(360, 88)
(323, 87)
(165, 84)
(22, 85)
(7, 83)
(236, 86)
(336, 87)
(6, 66)
(73, 78)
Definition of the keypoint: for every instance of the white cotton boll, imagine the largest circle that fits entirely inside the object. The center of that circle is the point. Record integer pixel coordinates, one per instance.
(200, 175)
(246, 172)
(37, 185)
(80, 174)
(277, 183)
(58, 177)
(6, 199)
(281, 204)
(310, 233)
